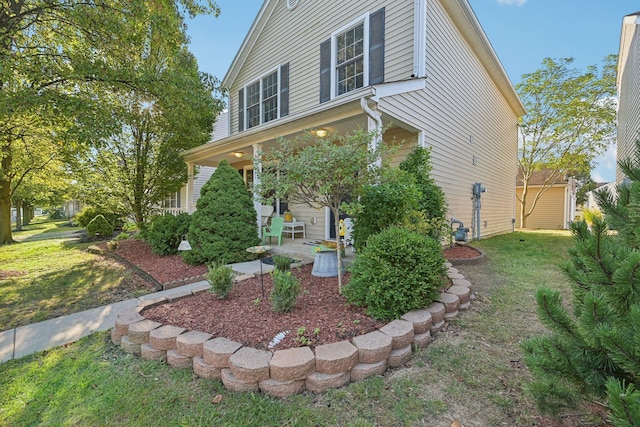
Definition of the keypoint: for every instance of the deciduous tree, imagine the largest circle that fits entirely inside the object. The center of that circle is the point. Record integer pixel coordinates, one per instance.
(323, 172)
(55, 54)
(570, 120)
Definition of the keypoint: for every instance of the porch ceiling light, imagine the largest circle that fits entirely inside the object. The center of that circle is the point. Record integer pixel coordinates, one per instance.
(321, 133)
(238, 154)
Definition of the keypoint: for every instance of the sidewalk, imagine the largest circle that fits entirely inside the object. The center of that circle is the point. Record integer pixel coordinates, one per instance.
(24, 340)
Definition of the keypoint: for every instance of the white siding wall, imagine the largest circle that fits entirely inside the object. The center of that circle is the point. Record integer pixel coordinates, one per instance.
(469, 126)
(629, 93)
(295, 36)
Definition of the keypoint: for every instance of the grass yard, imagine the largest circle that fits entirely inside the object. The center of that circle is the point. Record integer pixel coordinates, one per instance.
(472, 371)
(46, 274)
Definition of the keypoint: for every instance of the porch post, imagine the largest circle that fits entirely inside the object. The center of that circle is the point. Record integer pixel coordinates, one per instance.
(257, 170)
(190, 177)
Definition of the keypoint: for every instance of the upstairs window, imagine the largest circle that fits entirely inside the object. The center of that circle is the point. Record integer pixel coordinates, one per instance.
(265, 99)
(353, 57)
(350, 59)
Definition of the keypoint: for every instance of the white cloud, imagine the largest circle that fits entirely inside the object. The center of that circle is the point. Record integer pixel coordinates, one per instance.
(512, 2)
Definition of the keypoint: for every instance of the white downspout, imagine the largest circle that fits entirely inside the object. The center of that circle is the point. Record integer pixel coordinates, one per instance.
(374, 124)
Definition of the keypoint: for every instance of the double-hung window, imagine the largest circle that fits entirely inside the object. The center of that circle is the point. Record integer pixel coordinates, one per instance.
(264, 99)
(349, 59)
(353, 57)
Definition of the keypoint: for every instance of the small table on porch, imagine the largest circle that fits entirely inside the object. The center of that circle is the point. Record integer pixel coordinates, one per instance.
(293, 228)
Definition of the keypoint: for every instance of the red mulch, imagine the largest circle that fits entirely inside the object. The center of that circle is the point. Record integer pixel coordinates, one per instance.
(458, 252)
(246, 316)
(164, 269)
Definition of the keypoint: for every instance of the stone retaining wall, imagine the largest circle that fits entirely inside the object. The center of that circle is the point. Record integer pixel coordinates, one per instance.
(286, 372)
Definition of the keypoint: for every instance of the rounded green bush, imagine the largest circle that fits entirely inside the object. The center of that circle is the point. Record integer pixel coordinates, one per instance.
(99, 226)
(165, 232)
(399, 270)
(220, 278)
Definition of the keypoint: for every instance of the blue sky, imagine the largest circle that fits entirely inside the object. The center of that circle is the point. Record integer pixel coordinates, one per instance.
(522, 32)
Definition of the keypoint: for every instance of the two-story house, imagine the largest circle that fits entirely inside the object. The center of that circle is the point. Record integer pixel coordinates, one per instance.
(423, 68)
(628, 82)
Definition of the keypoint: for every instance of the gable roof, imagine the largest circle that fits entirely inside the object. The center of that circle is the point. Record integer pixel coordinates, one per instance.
(460, 12)
(539, 178)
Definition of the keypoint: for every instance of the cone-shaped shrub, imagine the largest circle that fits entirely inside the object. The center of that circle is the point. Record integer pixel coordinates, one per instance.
(224, 224)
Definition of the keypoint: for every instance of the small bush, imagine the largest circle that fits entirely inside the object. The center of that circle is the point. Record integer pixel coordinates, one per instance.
(286, 288)
(99, 226)
(129, 226)
(282, 263)
(398, 271)
(165, 232)
(56, 214)
(121, 236)
(88, 213)
(220, 278)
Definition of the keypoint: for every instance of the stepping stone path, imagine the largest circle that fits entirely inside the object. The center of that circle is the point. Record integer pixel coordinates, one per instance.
(286, 372)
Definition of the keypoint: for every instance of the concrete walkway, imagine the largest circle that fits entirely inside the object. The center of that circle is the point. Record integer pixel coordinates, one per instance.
(24, 340)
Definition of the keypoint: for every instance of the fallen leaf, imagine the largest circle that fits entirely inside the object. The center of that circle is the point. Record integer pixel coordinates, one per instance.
(217, 399)
(456, 423)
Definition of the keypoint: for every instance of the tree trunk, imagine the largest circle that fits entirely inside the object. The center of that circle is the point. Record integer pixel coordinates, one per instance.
(523, 207)
(5, 199)
(336, 216)
(19, 213)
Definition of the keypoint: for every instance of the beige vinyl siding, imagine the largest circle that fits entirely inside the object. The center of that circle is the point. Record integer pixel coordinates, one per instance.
(314, 220)
(468, 124)
(549, 211)
(629, 98)
(295, 36)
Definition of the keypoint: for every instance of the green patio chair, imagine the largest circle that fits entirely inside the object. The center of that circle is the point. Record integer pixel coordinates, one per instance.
(275, 230)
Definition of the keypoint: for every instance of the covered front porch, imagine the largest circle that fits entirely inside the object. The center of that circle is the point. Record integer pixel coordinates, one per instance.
(345, 115)
(299, 249)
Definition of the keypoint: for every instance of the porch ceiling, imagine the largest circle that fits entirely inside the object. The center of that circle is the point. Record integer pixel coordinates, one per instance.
(340, 119)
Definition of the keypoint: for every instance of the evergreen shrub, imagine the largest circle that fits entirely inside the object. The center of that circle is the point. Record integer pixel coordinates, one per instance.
(592, 349)
(431, 202)
(383, 205)
(399, 270)
(286, 288)
(220, 277)
(84, 217)
(165, 232)
(99, 226)
(224, 224)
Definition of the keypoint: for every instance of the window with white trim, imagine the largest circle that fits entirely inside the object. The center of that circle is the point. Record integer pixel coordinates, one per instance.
(349, 59)
(172, 202)
(353, 57)
(262, 100)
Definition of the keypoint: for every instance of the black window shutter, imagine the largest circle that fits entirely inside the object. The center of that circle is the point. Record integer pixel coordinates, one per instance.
(325, 71)
(376, 47)
(284, 90)
(240, 110)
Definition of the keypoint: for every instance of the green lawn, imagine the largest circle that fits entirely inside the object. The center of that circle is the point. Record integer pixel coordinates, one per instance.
(471, 372)
(51, 277)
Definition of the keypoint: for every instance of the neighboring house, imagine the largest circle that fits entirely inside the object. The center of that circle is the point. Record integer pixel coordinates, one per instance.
(556, 208)
(425, 69)
(628, 82)
(591, 202)
(71, 208)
